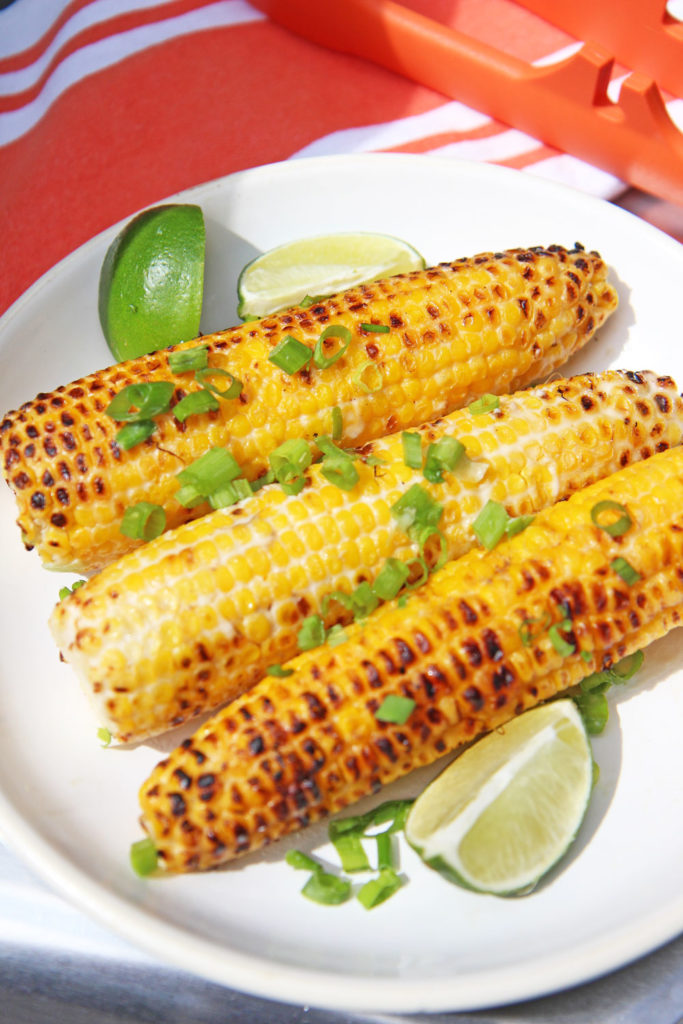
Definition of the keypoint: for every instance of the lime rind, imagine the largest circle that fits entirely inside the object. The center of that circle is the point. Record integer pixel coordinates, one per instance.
(517, 820)
(152, 281)
(321, 266)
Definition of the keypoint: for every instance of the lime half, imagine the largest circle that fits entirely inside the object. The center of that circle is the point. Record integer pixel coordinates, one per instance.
(320, 266)
(152, 281)
(504, 812)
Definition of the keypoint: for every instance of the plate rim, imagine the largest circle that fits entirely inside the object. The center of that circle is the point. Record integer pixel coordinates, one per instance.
(260, 976)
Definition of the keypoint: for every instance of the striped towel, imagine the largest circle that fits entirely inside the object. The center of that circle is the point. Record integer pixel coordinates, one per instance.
(107, 106)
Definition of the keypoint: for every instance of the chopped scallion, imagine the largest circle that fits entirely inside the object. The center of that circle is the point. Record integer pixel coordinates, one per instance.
(486, 403)
(230, 493)
(337, 465)
(336, 635)
(351, 852)
(143, 857)
(490, 525)
(143, 521)
(279, 672)
(337, 423)
(627, 667)
(65, 591)
(133, 434)
(385, 850)
(333, 331)
(234, 389)
(379, 889)
(444, 454)
(390, 579)
(288, 463)
(195, 404)
(375, 328)
(360, 373)
(412, 449)
(327, 889)
(603, 516)
(563, 647)
(420, 561)
(594, 711)
(211, 471)
(624, 569)
(312, 300)
(532, 628)
(415, 510)
(395, 709)
(141, 401)
(301, 861)
(517, 525)
(312, 633)
(188, 359)
(290, 355)
(104, 736)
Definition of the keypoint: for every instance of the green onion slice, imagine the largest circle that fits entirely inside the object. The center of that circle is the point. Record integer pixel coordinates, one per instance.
(333, 331)
(312, 300)
(359, 373)
(234, 389)
(288, 462)
(261, 481)
(518, 524)
(379, 889)
(211, 471)
(327, 889)
(194, 404)
(424, 536)
(143, 857)
(594, 711)
(290, 355)
(393, 811)
(415, 510)
(420, 561)
(337, 423)
(412, 449)
(134, 433)
(533, 628)
(312, 633)
(336, 635)
(65, 591)
(230, 493)
(444, 454)
(279, 672)
(385, 850)
(337, 465)
(104, 736)
(627, 667)
(351, 852)
(603, 516)
(563, 647)
(490, 525)
(390, 579)
(188, 359)
(143, 521)
(141, 401)
(395, 709)
(486, 403)
(624, 569)
(375, 328)
(301, 861)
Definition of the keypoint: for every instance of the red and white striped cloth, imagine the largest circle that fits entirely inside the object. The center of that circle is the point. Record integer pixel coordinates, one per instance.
(107, 106)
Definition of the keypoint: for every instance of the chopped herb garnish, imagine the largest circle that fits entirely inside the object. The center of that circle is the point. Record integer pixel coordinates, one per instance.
(143, 521)
(491, 524)
(603, 516)
(311, 300)
(562, 646)
(517, 525)
(337, 465)
(594, 711)
(336, 635)
(532, 629)
(337, 423)
(104, 736)
(279, 672)
(375, 328)
(195, 404)
(379, 889)
(143, 857)
(206, 475)
(359, 374)
(230, 493)
(395, 709)
(415, 510)
(627, 667)
(234, 389)
(325, 888)
(412, 449)
(312, 633)
(288, 463)
(390, 579)
(301, 861)
(188, 359)
(486, 403)
(290, 355)
(141, 401)
(624, 569)
(133, 434)
(65, 591)
(442, 455)
(333, 331)
(353, 857)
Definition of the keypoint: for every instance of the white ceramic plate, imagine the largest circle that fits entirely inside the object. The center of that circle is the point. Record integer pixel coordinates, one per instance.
(70, 808)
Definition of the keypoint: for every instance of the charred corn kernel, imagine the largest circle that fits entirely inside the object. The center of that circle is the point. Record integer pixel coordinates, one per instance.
(268, 565)
(72, 482)
(282, 756)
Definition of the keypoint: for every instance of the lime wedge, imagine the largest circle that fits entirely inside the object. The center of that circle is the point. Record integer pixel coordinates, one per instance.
(320, 266)
(504, 812)
(152, 281)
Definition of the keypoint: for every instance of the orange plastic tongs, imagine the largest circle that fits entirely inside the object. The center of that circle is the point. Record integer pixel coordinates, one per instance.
(565, 104)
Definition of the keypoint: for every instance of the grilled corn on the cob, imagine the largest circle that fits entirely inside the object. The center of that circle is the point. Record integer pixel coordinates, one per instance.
(197, 616)
(492, 323)
(489, 636)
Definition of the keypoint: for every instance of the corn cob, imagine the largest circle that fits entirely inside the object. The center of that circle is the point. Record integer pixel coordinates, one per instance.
(294, 750)
(224, 597)
(492, 323)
